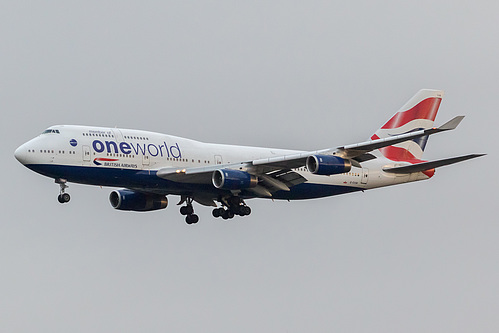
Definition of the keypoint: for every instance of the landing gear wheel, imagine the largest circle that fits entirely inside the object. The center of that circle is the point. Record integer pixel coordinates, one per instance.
(187, 210)
(63, 198)
(241, 211)
(231, 206)
(246, 210)
(234, 209)
(218, 212)
(192, 219)
(66, 197)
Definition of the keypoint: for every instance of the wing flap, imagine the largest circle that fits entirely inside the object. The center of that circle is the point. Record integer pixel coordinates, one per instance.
(287, 161)
(273, 183)
(185, 175)
(201, 175)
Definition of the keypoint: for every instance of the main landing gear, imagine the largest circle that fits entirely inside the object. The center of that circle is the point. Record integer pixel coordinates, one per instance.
(231, 207)
(63, 196)
(188, 211)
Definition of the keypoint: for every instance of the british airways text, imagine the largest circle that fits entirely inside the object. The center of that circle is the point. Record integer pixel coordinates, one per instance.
(112, 147)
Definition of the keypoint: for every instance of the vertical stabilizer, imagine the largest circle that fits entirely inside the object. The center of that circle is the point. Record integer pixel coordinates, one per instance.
(417, 114)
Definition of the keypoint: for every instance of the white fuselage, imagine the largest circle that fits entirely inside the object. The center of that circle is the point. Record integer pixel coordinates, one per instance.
(130, 158)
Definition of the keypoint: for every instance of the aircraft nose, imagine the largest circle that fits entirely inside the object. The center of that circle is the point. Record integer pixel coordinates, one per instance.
(20, 154)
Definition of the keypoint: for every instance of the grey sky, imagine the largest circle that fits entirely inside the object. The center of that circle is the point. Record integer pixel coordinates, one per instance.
(290, 74)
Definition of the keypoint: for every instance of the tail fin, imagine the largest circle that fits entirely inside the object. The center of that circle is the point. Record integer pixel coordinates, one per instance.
(417, 114)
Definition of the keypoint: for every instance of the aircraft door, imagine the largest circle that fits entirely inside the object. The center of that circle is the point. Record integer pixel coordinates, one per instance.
(86, 155)
(365, 176)
(117, 135)
(218, 159)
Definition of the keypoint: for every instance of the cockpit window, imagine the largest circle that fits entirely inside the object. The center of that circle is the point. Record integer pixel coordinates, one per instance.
(51, 131)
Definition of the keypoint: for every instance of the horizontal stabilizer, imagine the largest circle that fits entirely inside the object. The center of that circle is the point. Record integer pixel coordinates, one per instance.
(352, 151)
(430, 165)
(451, 124)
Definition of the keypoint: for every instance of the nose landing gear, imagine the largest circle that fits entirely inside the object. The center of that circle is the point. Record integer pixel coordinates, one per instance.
(63, 197)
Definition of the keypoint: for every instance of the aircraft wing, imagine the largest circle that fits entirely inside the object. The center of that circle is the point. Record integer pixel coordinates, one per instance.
(277, 179)
(354, 150)
(275, 173)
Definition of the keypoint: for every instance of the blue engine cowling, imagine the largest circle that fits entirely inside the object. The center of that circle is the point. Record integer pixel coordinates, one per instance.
(327, 165)
(136, 201)
(227, 179)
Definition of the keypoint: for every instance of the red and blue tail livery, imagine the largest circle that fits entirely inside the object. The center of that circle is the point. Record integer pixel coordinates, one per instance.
(417, 114)
(149, 167)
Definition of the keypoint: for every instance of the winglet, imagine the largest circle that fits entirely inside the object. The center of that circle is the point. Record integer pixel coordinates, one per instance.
(451, 124)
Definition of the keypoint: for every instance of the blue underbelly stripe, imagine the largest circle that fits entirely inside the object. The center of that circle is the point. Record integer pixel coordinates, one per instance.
(148, 181)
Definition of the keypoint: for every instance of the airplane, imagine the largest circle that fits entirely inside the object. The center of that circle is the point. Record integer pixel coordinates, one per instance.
(150, 166)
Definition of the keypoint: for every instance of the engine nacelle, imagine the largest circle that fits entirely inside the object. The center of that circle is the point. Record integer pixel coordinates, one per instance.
(327, 165)
(227, 179)
(136, 201)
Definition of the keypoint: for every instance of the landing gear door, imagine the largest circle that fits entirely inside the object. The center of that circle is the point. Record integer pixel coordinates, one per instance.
(365, 176)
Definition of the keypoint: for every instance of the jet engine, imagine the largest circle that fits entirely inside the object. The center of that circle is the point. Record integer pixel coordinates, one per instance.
(327, 165)
(137, 201)
(227, 179)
